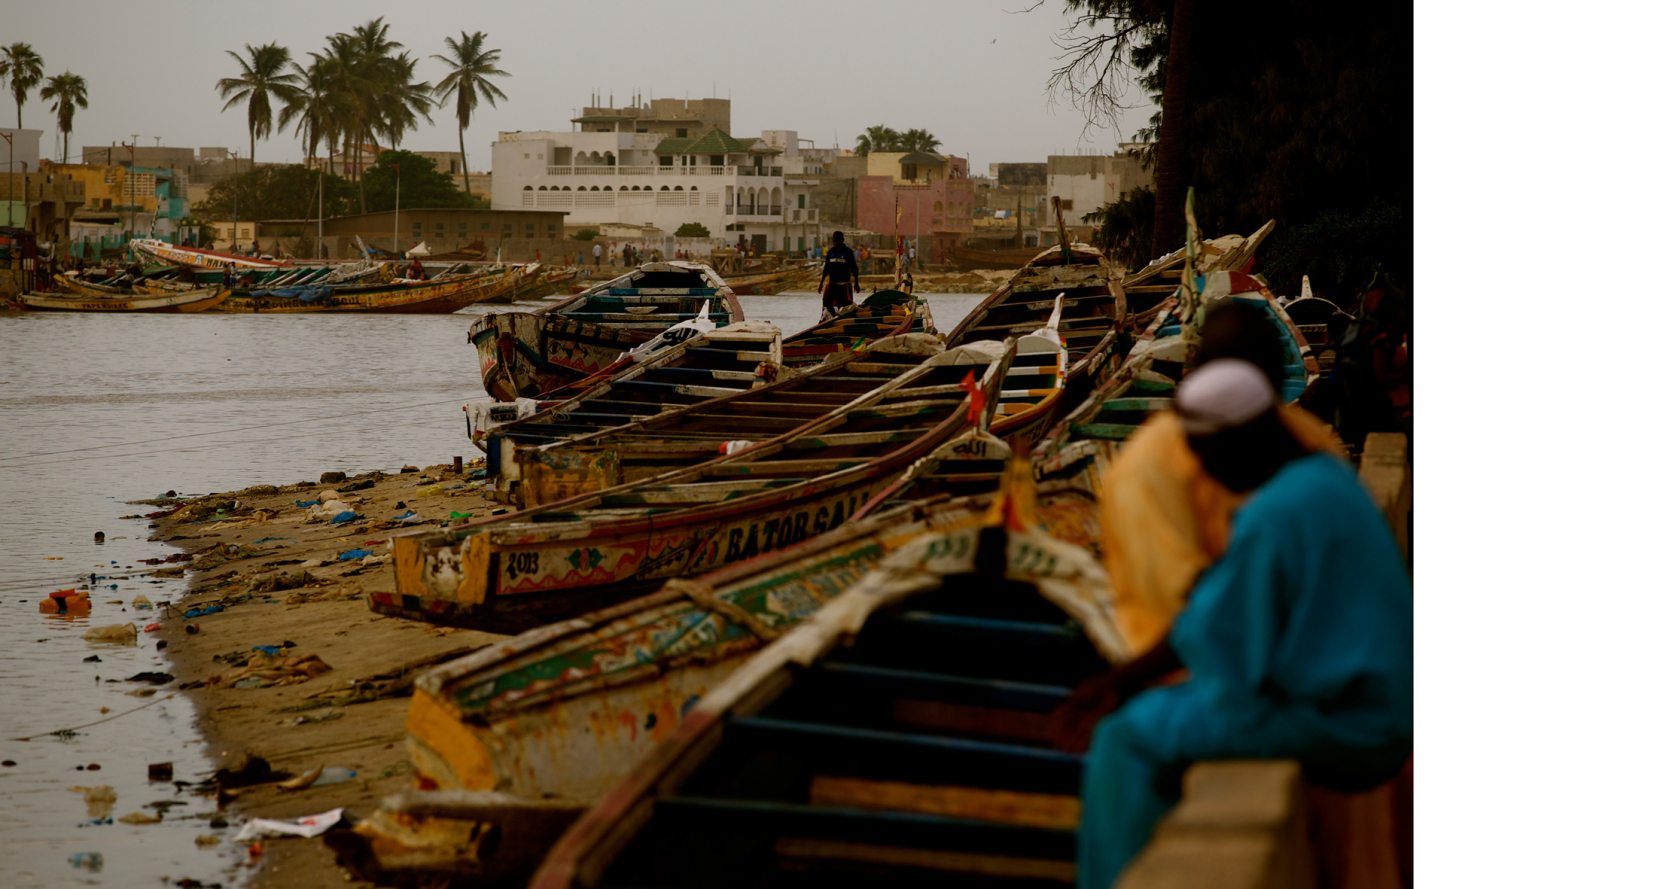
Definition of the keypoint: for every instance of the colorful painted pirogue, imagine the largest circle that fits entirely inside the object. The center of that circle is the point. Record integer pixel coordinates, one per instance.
(427, 297)
(603, 442)
(528, 354)
(1054, 370)
(667, 373)
(595, 549)
(1146, 382)
(173, 254)
(899, 737)
(202, 300)
(684, 376)
(557, 716)
(883, 313)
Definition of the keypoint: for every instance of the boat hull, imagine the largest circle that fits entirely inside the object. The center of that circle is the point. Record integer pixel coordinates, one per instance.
(169, 303)
(437, 298)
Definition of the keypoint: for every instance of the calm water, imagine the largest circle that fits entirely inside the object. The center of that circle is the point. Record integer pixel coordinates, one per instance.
(99, 410)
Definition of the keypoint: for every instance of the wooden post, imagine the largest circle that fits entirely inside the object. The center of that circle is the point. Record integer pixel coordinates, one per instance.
(458, 466)
(1060, 231)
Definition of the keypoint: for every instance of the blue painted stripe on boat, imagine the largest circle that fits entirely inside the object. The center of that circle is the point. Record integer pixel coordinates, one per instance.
(992, 748)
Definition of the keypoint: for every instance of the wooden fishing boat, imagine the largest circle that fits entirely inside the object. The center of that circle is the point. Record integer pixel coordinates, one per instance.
(1146, 382)
(1155, 281)
(739, 356)
(617, 436)
(899, 737)
(970, 258)
(426, 298)
(546, 723)
(202, 300)
(83, 286)
(882, 314)
(592, 550)
(775, 282)
(529, 354)
(1067, 318)
(173, 254)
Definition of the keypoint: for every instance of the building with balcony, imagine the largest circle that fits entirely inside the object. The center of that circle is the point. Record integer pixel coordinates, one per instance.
(620, 173)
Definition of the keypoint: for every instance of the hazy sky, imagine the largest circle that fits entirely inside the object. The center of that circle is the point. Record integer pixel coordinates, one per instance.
(973, 72)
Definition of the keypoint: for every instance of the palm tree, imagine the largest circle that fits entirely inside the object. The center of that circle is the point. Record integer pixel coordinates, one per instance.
(470, 63)
(22, 64)
(877, 138)
(70, 91)
(314, 106)
(918, 140)
(262, 76)
(403, 100)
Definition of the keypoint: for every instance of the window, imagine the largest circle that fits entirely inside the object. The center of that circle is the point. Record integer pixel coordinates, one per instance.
(439, 226)
(607, 188)
(462, 226)
(553, 227)
(507, 229)
(582, 188)
(417, 228)
(801, 202)
(538, 188)
(483, 226)
(1066, 205)
(938, 207)
(527, 188)
(680, 132)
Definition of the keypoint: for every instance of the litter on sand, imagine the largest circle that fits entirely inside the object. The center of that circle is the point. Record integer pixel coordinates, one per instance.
(309, 826)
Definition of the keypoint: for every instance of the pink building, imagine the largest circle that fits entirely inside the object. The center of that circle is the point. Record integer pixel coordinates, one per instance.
(934, 196)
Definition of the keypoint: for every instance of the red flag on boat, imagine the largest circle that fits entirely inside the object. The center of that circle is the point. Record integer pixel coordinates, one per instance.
(976, 398)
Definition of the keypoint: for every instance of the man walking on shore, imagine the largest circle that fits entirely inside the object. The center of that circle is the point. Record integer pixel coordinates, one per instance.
(840, 278)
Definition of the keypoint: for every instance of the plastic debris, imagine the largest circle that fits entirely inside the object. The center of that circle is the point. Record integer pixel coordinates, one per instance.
(431, 491)
(460, 515)
(350, 554)
(124, 634)
(207, 839)
(92, 861)
(139, 818)
(305, 503)
(161, 771)
(344, 517)
(99, 800)
(200, 612)
(309, 826)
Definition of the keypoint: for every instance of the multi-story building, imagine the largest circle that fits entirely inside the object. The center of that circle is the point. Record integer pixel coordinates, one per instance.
(149, 201)
(620, 169)
(931, 193)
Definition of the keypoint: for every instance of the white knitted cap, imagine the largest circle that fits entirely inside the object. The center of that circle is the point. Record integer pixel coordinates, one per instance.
(1223, 394)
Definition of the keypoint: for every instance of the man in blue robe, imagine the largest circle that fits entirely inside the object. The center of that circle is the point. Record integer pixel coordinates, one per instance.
(1297, 641)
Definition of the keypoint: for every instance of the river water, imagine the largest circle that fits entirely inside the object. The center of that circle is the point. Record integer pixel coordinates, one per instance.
(96, 411)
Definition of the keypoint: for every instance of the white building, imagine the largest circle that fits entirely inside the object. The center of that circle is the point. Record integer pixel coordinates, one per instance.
(735, 188)
(1085, 183)
(22, 149)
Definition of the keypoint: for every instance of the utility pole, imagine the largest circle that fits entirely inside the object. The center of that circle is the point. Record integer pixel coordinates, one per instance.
(11, 153)
(131, 186)
(397, 201)
(236, 170)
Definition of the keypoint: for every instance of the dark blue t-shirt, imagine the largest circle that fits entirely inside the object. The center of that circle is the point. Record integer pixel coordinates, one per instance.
(840, 264)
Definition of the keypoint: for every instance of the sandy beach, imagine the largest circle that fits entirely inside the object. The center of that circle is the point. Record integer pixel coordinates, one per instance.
(299, 597)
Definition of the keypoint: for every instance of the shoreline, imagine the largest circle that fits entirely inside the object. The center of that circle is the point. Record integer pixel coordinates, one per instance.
(253, 553)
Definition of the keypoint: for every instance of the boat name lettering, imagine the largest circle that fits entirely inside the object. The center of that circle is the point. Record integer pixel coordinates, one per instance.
(777, 533)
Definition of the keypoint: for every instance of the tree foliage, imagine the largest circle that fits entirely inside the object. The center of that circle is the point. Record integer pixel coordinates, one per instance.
(22, 66)
(1297, 111)
(471, 67)
(692, 230)
(261, 79)
(415, 183)
(880, 138)
(274, 192)
(1125, 229)
(586, 234)
(70, 92)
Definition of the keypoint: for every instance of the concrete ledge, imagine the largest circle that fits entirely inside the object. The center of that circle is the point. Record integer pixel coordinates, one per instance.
(1240, 825)
(1387, 475)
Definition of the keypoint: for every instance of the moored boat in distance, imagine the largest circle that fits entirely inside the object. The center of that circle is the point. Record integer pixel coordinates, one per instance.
(174, 254)
(437, 297)
(529, 354)
(203, 300)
